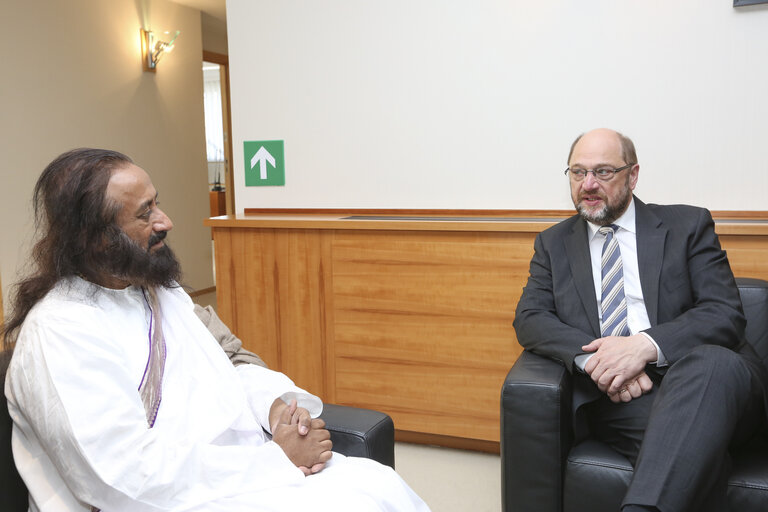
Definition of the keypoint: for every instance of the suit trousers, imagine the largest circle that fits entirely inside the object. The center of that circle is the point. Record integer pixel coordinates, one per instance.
(677, 436)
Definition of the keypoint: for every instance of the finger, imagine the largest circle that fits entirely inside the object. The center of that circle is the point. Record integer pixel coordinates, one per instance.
(615, 382)
(621, 396)
(283, 418)
(317, 424)
(591, 364)
(325, 456)
(296, 413)
(303, 419)
(592, 345)
(317, 468)
(304, 469)
(597, 372)
(645, 382)
(604, 386)
(609, 382)
(634, 389)
(320, 436)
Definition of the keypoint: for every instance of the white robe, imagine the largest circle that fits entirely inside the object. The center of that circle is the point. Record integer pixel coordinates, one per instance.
(80, 435)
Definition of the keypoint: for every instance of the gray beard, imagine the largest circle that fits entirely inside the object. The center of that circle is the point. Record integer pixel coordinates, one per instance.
(609, 213)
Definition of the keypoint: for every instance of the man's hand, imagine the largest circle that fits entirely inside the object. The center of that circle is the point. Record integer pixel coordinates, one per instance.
(633, 389)
(290, 414)
(304, 440)
(617, 366)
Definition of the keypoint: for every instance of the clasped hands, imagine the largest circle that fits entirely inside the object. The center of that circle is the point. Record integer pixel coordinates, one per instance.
(304, 440)
(618, 365)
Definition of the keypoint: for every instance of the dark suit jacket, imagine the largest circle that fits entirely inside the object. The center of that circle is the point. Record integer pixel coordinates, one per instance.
(687, 284)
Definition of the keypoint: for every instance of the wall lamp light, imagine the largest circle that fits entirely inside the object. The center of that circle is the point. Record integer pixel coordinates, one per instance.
(153, 48)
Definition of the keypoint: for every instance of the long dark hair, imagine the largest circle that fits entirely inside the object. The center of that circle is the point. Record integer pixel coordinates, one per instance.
(72, 217)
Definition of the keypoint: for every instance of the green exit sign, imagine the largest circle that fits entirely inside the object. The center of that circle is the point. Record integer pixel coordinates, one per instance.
(264, 163)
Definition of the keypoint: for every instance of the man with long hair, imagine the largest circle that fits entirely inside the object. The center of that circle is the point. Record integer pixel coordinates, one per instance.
(122, 400)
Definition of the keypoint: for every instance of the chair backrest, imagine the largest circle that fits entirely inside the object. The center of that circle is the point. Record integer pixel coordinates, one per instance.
(754, 298)
(12, 489)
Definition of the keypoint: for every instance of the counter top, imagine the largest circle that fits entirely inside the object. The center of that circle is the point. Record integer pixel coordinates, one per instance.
(433, 223)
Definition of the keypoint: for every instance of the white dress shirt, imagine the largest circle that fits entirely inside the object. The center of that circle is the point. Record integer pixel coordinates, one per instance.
(637, 315)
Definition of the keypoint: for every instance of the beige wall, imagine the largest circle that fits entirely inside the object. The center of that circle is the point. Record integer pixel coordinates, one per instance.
(214, 34)
(71, 77)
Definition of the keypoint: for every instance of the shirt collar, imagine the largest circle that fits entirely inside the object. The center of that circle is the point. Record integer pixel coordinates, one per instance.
(626, 221)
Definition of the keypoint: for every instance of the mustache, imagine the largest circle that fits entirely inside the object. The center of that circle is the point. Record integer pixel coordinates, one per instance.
(156, 237)
(583, 195)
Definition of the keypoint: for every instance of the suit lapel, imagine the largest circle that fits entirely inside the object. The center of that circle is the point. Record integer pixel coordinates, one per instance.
(651, 236)
(577, 251)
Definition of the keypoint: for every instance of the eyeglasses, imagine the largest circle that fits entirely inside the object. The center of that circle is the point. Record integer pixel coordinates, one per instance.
(603, 173)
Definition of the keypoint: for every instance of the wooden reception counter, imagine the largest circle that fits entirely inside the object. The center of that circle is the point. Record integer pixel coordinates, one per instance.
(408, 315)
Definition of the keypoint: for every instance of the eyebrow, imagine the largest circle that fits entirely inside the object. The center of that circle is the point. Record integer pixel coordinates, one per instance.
(603, 164)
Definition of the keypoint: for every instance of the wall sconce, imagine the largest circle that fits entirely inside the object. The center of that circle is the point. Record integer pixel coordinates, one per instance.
(153, 48)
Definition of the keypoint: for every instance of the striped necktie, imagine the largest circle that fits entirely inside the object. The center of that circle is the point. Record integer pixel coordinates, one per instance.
(613, 302)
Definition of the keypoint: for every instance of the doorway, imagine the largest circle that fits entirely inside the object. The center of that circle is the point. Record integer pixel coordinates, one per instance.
(218, 129)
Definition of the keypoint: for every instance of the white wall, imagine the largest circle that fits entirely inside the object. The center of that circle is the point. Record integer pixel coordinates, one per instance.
(474, 104)
(72, 77)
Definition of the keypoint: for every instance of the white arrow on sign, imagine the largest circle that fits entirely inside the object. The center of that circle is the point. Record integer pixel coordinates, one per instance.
(262, 156)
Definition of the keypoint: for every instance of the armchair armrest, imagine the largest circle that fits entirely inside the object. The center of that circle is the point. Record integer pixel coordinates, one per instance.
(359, 432)
(537, 391)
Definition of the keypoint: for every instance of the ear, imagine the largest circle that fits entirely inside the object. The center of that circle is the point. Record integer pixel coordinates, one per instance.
(633, 175)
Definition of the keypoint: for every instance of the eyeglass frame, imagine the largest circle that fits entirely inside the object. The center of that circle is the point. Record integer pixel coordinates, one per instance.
(607, 177)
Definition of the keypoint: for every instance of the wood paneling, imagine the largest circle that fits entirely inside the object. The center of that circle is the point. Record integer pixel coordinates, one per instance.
(246, 292)
(747, 254)
(423, 321)
(410, 318)
(272, 293)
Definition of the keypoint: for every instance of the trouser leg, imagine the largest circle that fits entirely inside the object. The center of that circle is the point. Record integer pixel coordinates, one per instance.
(621, 425)
(706, 400)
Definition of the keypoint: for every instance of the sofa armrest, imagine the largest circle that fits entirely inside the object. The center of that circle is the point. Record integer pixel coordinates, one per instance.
(359, 432)
(535, 434)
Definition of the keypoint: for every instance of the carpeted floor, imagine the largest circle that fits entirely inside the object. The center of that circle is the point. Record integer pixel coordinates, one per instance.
(450, 480)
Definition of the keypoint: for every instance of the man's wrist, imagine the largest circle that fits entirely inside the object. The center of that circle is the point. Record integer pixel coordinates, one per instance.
(651, 350)
(580, 361)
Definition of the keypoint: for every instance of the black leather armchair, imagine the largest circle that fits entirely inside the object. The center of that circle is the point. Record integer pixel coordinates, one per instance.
(354, 432)
(542, 471)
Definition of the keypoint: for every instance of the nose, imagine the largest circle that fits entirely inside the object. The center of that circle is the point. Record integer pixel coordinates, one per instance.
(590, 182)
(162, 222)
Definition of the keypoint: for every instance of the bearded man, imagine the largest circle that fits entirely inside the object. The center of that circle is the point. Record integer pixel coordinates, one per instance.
(638, 301)
(121, 398)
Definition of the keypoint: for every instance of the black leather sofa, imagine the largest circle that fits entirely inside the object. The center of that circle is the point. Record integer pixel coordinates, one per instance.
(542, 471)
(354, 432)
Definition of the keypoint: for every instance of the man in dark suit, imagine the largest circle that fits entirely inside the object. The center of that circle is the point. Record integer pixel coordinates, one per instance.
(640, 303)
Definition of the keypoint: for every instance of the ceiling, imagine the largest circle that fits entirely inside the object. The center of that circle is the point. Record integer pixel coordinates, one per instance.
(215, 8)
